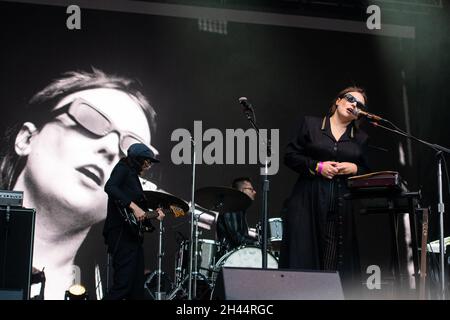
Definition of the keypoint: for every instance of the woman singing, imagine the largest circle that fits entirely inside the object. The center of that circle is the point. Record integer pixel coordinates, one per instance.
(318, 223)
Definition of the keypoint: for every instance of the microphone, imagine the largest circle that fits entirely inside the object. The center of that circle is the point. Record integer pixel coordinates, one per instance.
(358, 112)
(244, 102)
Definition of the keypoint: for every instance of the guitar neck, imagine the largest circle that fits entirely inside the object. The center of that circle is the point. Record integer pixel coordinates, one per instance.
(151, 214)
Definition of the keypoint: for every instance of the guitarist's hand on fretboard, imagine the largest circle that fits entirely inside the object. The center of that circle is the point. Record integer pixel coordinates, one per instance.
(161, 214)
(137, 211)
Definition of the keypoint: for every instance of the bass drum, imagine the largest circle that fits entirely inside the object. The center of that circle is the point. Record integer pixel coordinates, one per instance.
(245, 257)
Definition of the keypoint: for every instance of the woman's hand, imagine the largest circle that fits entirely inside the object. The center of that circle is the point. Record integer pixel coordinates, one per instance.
(347, 168)
(329, 169)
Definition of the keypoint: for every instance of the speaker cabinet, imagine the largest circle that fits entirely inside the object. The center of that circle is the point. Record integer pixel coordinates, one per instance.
(16, 250)
(270, 284)
(11, 294)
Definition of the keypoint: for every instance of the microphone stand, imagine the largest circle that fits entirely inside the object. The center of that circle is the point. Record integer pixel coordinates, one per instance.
(160, 256)
(441, 208)
(250, 115)
(193, 237)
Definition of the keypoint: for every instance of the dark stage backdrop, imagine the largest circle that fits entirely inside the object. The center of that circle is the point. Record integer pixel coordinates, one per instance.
(189, 74)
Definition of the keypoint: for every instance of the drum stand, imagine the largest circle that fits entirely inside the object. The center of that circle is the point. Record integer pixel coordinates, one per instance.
(193, 265)
(160, 255)
(158, 294)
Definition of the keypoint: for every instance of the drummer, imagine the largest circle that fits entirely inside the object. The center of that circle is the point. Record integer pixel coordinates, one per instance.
(232, 227)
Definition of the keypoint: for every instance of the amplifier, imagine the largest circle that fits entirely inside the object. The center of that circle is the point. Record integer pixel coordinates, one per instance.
(11, 198)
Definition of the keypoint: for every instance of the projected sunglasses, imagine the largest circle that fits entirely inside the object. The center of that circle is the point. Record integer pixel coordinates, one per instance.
(97, 123)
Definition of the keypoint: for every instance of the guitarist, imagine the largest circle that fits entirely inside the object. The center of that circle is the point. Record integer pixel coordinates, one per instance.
(124, 245)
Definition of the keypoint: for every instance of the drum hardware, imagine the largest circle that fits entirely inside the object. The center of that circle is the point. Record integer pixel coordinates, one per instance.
(151, 285)
(253, 233)
(210, 202)
(192, 275)
(186, 283)
(215, 199)
(203, 289)
(205, 257)
(206, 218)
(160, 255)
(162, 199)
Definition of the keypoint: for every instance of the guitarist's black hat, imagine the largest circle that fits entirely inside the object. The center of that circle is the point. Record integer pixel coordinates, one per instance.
(140, 150)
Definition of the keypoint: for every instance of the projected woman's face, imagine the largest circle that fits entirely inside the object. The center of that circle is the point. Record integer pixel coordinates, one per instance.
(69, 161)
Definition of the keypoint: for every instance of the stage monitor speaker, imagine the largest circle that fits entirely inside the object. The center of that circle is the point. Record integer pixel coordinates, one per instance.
(270, 284)
(11, 294)
(16, 249)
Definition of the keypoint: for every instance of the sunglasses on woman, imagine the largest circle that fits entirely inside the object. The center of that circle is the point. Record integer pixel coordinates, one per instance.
(352, 99)
(97, 123)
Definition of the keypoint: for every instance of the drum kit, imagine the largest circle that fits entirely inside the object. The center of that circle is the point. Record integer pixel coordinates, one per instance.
(201, 272)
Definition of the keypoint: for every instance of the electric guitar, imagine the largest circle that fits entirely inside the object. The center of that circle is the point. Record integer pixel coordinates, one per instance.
(139, 227)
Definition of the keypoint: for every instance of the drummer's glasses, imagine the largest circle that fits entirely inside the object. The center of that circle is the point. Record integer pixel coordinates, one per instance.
(352, 99)
(97, 123)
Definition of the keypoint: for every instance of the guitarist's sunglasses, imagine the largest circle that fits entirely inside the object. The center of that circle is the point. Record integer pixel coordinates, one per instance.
(97, 123)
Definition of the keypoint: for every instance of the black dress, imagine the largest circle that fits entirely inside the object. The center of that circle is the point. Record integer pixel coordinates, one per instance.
(318, 225)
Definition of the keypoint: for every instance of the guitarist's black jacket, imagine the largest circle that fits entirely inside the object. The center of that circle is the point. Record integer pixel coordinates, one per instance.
(122, 187)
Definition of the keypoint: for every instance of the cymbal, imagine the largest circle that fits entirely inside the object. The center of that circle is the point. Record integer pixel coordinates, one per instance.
(434, 246)
(222, 199)
(161, 198)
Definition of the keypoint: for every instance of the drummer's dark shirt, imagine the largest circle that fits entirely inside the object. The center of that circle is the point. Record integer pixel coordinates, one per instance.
(232, 230)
